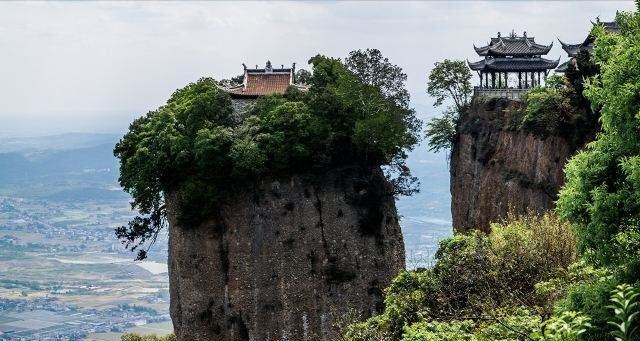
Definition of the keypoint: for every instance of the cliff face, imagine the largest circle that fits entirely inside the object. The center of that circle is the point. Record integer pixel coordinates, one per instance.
(291, 260)
(497, 169)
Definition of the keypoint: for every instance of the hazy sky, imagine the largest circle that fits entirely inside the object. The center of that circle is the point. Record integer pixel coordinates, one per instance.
(93, 66)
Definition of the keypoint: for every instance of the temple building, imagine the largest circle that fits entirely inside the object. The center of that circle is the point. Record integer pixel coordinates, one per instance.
(573, 50)
(261, 82)
(511, 65)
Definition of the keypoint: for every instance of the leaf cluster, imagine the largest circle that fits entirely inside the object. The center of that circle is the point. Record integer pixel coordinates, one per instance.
(601, 194)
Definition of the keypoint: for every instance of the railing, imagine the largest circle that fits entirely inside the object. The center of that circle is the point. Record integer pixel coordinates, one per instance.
(510, 93)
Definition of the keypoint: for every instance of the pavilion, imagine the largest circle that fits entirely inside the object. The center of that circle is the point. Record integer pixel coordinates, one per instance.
(573, 50)
(511, 63)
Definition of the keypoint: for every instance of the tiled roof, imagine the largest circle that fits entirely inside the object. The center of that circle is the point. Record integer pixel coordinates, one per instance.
(513, 46)
(514, 64)
(571, 49)
(587, 45)
(564, 66)
(261, 84)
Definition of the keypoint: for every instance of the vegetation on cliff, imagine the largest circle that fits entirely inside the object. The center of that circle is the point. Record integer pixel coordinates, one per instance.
(502, 286)
(602, 193)
(483, 287)
(198, 148)
(449, 81)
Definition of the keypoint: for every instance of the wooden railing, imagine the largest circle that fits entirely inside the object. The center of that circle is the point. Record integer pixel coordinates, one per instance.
(510, 93)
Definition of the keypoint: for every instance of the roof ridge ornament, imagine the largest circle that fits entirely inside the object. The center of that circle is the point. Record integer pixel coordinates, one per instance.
(267, 67)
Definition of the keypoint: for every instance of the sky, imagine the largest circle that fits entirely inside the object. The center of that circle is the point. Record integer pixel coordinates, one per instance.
(95, 66)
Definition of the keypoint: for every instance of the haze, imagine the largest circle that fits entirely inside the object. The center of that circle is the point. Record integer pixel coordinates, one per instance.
(94, 66)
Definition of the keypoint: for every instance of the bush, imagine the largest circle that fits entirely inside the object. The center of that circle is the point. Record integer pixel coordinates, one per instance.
(475, 276)
(509, 325)
(568, 326)
(591, 298)
(440, 331)
(601, 195)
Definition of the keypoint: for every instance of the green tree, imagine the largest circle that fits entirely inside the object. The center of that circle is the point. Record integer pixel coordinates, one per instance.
(372, 68)
(303, 76)
(450, 80)
(602, 190)
(234, 81)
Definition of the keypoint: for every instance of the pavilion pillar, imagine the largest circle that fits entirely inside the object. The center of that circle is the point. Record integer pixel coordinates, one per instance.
(539, 82)
(506, 79)
(480, 79)
(526, 80)
(533, 79)
(519, 80)
(493, 79)
(499, 79)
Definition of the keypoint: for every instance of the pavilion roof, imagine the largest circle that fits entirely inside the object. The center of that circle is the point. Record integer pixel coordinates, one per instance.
(587, 45)
(514, 64)
(564, 66)
(571, 49)
(513, 46)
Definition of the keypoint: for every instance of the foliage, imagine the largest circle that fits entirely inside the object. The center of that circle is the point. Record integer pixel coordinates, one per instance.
(440, 331)
(571, 280)
(449, 80)
(373, 329)
(441, 131)
(475, 276)
(136, 337)
(233, 81)
(372, 68)
(624, 301)
(302, 76)
(568, 326)
(509, 325)
(591, 298)
(195, 149)
(602, 190)
(549, 110)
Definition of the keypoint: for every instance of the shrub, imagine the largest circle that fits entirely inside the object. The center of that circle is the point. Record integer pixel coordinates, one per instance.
(509, 325)
(476, 274)
(373, 329)
(591, 298)
(567, 326)
(440, 331)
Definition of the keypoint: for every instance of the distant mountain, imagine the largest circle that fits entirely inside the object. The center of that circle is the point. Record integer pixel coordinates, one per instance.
(27, 145)
(80, 166)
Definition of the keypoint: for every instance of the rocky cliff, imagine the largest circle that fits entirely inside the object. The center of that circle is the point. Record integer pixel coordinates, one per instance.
(292, 259)
(497, 168)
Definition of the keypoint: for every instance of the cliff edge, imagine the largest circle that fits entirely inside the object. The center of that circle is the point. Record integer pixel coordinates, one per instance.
(293, 259)
(498, 168)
